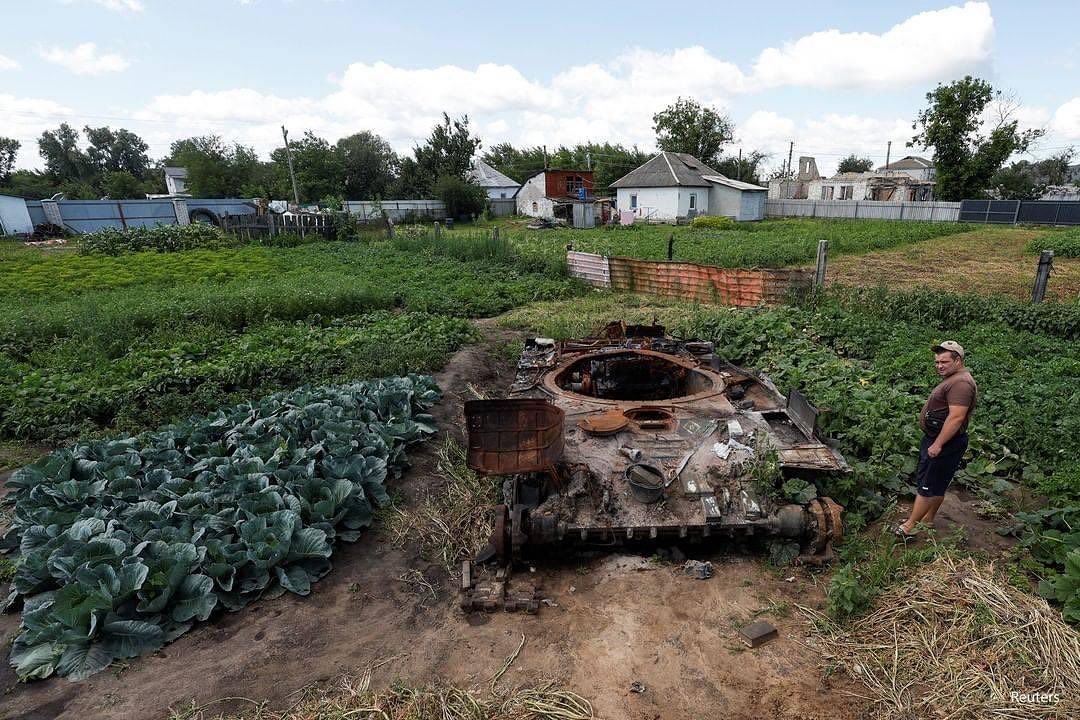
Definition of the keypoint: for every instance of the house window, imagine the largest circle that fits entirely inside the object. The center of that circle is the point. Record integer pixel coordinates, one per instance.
(573, 183)
(827, 192)
(846, 192)
(502, 196)
(633, 202)
(536, 208)
(693, 201)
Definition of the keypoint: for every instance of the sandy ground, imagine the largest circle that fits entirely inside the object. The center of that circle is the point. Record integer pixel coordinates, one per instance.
(988, 261)
(617, 619)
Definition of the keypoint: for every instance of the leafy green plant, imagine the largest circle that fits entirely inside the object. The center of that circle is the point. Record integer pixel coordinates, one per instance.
(1064, 244)
(125, 543)
(712, 222)
(161, 238)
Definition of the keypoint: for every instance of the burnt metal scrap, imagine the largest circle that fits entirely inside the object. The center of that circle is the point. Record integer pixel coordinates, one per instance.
(635, 436)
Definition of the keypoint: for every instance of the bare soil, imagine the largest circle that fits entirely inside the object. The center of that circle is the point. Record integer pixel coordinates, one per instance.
(616, 620)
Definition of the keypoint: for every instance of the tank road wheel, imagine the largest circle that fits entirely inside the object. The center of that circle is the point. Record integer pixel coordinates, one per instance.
(500, 537)
(826, 524)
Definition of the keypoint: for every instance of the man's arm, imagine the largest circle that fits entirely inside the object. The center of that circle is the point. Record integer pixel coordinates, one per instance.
(957, 413)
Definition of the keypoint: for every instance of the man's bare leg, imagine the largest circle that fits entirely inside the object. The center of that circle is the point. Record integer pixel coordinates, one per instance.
(935, 503)
(919, 509)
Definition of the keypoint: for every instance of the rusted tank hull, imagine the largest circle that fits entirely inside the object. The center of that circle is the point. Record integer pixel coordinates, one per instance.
(718, 440)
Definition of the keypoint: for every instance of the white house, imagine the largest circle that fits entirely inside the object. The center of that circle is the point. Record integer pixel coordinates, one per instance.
(497, 185)
(677, 185)
(914, 167)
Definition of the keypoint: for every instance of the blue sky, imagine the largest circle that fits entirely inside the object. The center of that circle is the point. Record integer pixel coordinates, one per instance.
(833, 77)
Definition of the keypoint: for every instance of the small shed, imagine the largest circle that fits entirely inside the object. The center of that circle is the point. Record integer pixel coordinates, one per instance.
(671, 186)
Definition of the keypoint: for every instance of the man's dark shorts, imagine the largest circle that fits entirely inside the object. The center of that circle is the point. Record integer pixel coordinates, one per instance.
(933, 475)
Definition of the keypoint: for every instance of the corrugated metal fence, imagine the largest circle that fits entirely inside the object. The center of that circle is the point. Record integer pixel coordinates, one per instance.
(502, 207)
(689, 281)
(1010, 212)
(83, 216)
(864, 209)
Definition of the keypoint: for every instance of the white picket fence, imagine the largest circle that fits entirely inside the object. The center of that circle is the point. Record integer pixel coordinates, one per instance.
(935, 211)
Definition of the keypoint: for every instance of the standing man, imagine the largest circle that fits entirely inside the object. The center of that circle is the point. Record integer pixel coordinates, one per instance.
(944, 420)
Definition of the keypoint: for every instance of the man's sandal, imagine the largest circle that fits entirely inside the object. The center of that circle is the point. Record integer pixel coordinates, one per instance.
(904, 535)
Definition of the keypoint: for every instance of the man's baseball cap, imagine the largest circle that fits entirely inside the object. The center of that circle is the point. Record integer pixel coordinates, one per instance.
(949, 345)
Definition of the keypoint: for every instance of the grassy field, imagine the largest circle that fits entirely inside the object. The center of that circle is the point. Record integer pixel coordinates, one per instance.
(987, 261)
(772, 243)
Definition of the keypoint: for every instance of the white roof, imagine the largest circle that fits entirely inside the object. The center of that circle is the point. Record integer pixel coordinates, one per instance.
(737, 184)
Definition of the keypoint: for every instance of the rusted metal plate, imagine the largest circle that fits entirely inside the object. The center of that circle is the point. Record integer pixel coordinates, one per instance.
(604, 423)
(513, 436)
(704, 283)
(591, 268)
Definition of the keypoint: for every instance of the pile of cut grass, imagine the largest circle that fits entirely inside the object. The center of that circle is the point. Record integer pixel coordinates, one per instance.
(958, 641)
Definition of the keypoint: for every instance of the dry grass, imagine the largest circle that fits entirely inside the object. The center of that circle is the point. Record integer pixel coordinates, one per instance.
(957, 642)
(351, 697)
(989, 261)
(455, 519)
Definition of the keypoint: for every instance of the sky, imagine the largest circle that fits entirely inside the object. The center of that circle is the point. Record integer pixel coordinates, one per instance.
(834, 78)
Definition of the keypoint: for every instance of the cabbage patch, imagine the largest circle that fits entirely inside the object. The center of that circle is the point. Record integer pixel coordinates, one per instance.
(125, 543)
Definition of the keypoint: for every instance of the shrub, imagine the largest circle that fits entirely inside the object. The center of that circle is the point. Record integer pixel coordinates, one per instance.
(1064, 244)
(463, 199)
(712, 222)
(162, 238)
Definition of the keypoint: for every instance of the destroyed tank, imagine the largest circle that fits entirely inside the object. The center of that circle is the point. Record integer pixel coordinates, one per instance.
(632, 436)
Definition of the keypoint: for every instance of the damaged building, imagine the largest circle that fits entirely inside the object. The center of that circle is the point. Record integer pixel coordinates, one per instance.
(567, 195)
(907, 180)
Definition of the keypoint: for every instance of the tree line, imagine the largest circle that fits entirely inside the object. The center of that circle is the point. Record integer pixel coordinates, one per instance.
(969, 153)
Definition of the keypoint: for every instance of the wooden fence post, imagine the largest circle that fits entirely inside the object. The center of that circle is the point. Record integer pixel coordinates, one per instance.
(495, 235)
(671, 246)
(822, 258)
(438, 232)
(1042, 275)
(389, 228)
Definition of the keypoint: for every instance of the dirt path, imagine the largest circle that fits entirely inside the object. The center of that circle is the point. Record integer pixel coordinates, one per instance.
(618, 619)
(986, 261)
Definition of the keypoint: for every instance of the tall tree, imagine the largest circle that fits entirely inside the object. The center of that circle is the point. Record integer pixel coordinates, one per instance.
(215, 169)
(64, 160)
(686, 126)
(968, 149)
(855, 164)
(368, 165)
(448, 151)
(748, 168)
(318, 168)
(9, 150)
(1027, 180)
(117, 151)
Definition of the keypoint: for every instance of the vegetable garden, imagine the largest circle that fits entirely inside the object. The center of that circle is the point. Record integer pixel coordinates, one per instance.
(222, 429)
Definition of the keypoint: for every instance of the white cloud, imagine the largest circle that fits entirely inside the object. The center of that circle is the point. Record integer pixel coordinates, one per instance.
(84, 59)
(1066, 121)
(116, 5)
(23, 118)
(7, 63)
(925, 47)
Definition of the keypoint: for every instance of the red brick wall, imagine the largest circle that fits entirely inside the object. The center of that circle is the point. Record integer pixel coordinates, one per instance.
(555, 181)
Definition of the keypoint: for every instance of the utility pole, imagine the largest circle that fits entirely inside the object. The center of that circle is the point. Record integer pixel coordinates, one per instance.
(292, 174)
(545, 157)
(888, 153)
(588, 160)
(790, 150)
(738, 168)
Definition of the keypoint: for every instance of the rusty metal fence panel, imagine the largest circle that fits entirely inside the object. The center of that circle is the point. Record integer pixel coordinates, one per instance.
(690, 281)
(593, 269)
